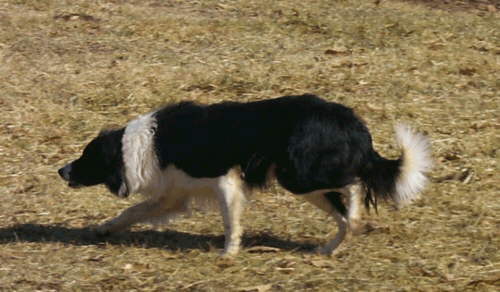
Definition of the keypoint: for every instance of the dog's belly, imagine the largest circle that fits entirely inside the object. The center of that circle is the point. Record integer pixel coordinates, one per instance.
(179, 191)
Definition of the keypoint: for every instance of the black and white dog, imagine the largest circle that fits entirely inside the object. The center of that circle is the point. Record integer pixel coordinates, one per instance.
(187, 153)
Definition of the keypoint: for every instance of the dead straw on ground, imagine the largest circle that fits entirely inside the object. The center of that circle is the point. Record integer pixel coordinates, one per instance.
(70, 68)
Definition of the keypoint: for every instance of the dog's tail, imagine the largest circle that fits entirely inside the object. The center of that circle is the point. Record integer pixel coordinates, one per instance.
(403, 179)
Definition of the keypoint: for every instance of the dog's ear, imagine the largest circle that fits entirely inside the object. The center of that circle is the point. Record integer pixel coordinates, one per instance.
(103, 132)
(108, 129)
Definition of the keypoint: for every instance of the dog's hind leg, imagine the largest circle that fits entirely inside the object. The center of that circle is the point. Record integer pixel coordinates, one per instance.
(331, 202)
(231, 197)
(331, 245)
(355, 193)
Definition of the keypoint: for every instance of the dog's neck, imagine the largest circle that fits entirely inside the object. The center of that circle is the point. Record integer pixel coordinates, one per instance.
(140, 161)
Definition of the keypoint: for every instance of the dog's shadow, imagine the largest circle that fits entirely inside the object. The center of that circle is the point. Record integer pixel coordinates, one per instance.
(169, 240)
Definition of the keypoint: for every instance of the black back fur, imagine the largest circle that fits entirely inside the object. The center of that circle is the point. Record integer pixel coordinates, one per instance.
(313, 144)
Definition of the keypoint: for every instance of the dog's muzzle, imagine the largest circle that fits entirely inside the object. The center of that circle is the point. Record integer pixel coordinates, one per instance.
(64, 172)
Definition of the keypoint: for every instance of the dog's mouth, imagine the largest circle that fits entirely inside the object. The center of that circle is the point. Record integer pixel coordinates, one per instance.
(75, 185)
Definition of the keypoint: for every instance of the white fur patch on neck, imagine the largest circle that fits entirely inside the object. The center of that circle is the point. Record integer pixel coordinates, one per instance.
(139, 157)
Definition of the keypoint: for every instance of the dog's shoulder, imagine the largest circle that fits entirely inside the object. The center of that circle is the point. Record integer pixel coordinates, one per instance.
(174, 110)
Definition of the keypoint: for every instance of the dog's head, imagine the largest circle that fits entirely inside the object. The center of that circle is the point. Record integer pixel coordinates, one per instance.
(100, 163)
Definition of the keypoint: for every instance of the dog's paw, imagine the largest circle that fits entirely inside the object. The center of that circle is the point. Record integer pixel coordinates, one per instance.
(229, 253)
(329, 252)
(100, 230)
(359, 229)
(226, 256)
(225, 261)
(323, 251)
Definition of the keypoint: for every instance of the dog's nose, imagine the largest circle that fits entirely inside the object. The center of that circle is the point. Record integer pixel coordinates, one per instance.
(60, 171)
(64, 171)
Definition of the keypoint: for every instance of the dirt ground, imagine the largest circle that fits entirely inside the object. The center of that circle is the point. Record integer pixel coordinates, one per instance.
(70, 68)
(471, 6)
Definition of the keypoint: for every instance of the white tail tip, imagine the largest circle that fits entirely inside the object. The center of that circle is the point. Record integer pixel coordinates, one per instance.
(416, 162)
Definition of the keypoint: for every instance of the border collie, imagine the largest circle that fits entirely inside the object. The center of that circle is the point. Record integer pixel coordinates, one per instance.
(187, 154)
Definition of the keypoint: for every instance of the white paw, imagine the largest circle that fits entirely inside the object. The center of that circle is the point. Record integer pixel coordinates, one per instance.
(230, 252)
(102, 229)
(358, 228)
(323, 250)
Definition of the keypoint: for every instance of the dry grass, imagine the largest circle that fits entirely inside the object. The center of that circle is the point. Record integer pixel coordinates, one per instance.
(68, 68)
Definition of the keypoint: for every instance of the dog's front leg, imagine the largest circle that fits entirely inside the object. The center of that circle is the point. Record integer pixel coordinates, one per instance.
(135, 214)
(231, 200)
